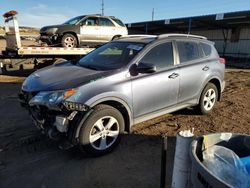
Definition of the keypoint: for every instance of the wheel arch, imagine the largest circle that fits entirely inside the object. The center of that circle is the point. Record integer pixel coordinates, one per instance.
(121, 106)
(116, 103)
(217, 83)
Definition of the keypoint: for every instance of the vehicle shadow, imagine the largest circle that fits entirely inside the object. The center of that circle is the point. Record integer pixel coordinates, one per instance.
(186, 111)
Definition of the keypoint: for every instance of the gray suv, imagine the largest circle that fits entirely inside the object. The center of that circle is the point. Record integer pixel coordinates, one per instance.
(90, 30)
(124, 82)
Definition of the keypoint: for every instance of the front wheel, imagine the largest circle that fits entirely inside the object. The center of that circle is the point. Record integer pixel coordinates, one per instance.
(69, 41)
(208, 99)
(100, 133)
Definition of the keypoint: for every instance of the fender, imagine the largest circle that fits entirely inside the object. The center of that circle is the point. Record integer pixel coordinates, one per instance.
(96, 102)
(206, 82)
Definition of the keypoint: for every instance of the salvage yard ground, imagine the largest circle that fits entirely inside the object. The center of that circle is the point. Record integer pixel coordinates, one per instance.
(29, 159)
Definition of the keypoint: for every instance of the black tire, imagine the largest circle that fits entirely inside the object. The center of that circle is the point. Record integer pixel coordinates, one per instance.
(90, 128)
(116, 37)
(208, 99)
(69, 41)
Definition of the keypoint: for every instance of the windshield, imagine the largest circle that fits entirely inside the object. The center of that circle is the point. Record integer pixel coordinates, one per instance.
(73, 21)
(113, 55)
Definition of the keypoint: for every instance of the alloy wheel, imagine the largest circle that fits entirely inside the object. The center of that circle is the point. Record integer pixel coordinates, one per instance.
(209, 99)
(69, 42)
(104, 133)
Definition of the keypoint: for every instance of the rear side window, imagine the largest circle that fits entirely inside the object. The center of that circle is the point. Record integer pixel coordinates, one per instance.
(188, 51)
(161, 56)
(206, 49)
(119, 22)
(105, 22)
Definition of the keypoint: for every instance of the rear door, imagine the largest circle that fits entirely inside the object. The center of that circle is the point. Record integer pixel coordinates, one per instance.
(108, 29)
(193, 68)
(155, 91)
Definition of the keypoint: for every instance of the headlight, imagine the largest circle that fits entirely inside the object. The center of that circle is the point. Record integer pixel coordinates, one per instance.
(55, 98)
(51, 98)
(51, 30)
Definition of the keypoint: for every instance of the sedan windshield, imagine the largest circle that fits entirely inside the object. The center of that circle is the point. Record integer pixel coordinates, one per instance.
(113, 55)
(73, 21)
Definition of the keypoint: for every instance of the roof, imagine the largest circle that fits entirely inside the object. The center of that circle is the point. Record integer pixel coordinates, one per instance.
(213, 21)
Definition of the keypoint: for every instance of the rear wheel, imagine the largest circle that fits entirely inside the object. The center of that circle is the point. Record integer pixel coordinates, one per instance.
(208, 99)
(116, 37)
(100, 133)
(69, 41)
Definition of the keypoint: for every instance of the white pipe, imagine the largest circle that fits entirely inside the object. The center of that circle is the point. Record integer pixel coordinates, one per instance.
(182, 161)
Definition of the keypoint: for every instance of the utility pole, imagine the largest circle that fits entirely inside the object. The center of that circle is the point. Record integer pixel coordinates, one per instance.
(102, 8)
(153, 14)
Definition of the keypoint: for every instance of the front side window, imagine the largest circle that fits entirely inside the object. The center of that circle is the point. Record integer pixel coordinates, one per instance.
(91, 21)
(105, 22)
(188, 51)
(161, 56)
(113, 55)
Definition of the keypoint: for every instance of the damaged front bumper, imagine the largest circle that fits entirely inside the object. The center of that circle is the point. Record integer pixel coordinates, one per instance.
(57, 120)
(49, 38)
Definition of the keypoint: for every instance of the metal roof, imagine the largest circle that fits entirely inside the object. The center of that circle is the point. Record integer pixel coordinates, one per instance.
(213, 21)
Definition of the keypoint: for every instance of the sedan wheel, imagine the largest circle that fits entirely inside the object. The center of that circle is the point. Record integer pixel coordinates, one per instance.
(69, 41)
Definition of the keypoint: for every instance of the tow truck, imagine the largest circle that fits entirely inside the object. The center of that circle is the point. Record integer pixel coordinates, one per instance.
(45, 55)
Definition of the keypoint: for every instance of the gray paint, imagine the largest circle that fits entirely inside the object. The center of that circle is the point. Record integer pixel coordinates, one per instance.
(144, 96)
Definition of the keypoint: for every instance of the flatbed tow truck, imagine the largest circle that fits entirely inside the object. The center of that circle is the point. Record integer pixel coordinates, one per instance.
(45, 55)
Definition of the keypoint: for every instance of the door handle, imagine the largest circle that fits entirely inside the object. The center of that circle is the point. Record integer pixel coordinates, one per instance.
(205, 68)
(173, 76)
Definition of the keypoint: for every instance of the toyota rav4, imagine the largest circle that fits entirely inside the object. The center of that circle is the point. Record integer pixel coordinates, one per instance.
(124, 82)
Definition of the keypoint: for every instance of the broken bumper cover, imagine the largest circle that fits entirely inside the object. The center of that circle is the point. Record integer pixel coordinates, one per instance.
(60, 116)
(49, 38)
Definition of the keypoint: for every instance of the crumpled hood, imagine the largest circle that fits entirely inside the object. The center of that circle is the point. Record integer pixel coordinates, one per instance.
(60, 77)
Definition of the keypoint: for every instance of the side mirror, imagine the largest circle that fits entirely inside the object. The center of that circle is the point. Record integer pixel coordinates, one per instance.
(142, 68)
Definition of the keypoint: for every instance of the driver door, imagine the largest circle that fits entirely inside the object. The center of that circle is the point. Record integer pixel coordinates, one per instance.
(90, 30)
(153, 92)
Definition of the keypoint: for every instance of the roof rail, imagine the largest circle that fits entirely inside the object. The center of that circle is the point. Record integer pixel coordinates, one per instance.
(180, 35)
(131, 36)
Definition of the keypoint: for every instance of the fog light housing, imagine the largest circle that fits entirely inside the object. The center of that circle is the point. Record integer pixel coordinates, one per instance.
(61, 123)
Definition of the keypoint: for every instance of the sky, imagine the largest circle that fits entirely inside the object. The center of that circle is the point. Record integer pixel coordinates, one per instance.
(38, 13)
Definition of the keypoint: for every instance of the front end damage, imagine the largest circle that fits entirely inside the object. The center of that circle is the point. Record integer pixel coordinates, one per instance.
(55, 115)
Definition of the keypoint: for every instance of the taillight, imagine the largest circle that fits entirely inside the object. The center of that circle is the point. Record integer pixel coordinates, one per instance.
(222, 60)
